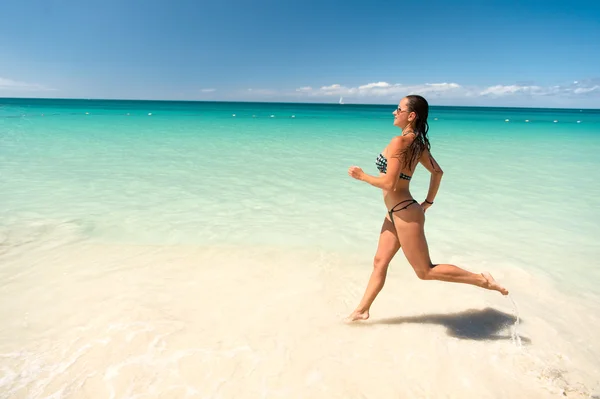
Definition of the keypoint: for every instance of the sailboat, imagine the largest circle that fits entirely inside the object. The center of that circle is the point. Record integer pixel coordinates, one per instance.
(341, 100)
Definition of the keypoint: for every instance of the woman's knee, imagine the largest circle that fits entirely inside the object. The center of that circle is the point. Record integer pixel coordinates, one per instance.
(381, 264)
(423, 274)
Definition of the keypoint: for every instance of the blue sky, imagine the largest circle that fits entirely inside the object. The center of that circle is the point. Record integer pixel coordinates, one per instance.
(513, 53)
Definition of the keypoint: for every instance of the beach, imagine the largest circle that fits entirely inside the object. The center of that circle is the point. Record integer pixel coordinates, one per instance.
(212, 250)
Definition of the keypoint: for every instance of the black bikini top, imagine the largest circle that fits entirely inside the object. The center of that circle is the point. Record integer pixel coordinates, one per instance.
(381, 163)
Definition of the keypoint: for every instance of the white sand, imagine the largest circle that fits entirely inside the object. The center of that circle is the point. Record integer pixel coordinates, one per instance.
(91, 321)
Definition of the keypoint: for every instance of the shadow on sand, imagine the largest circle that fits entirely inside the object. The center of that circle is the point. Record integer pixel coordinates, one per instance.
(482, 324)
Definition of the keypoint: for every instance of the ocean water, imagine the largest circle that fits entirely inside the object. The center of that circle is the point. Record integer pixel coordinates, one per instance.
(192, 173)
(265, 185)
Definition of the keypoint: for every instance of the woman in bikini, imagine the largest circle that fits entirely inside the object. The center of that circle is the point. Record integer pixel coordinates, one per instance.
(403, 226)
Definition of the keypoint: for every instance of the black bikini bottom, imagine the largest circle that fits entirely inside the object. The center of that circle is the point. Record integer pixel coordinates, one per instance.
(391, 211)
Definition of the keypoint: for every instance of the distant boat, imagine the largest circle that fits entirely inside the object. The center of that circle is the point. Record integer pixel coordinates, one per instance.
(341, 100)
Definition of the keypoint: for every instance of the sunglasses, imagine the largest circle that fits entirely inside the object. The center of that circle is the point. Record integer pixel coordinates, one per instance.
(398, 110)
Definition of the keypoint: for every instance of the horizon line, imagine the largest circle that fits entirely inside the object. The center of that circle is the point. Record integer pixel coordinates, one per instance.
(285, 102)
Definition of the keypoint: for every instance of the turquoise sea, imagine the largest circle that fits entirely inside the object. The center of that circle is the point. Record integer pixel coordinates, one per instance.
(275, 173)
(120, 221)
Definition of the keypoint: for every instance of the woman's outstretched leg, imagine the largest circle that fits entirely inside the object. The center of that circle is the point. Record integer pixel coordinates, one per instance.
(410, 230)
(386, 249)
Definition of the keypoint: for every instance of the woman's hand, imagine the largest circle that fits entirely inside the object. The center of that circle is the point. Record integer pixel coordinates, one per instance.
(356, 172)
(425, 205)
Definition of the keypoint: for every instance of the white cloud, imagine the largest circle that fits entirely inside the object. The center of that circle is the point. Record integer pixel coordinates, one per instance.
(584, 93)
(373, 85)
(441, 86)
(208, 90)
(13, 85)
(500, 90)
(584, 90)
(332, 87)
(450, 90)
(436, 88)
(333, 90)
(379, 89)
(578, 88)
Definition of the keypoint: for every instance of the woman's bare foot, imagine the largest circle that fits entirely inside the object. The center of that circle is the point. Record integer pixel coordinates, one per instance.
(357, 315)
(491, 284)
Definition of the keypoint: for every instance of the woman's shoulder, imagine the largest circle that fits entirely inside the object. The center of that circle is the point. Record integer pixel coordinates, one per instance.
(402, 139)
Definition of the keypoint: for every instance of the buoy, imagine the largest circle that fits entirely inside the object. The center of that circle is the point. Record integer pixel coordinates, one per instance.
(233, 115)
(149, 113)
(506, 120)
(526, 120)
(555, 121)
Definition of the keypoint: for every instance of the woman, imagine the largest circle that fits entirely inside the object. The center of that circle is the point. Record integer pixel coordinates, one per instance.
(403, 226)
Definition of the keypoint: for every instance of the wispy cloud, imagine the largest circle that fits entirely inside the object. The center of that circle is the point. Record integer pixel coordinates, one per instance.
(576, 89)
(500, 90)
(13, 85)
(451, 90)
(381, 89)
(373, 85)
(208, 90)
(584, 90)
